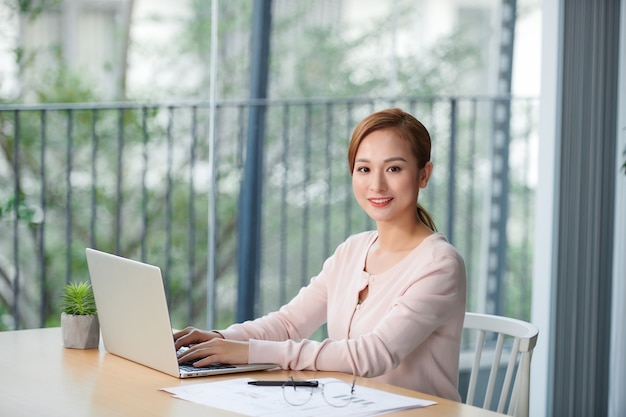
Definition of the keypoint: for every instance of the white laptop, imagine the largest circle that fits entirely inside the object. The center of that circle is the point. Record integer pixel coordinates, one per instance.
(134, 319)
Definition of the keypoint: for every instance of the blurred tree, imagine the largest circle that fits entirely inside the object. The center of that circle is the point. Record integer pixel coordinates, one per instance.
(310, 58)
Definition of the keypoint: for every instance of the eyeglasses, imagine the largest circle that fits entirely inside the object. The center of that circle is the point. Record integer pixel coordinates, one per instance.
(336, 394)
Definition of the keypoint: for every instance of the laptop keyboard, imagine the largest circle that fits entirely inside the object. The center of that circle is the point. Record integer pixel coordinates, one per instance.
(217, 365)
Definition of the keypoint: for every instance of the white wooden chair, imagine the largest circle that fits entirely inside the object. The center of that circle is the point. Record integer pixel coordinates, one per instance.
(515, 339)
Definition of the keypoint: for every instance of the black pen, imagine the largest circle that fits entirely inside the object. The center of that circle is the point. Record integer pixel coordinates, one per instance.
(287, 383)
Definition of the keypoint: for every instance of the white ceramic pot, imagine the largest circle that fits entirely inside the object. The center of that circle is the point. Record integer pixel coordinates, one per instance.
(80, 332)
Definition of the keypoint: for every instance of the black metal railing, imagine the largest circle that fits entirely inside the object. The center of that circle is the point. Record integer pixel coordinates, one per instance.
(153, 182)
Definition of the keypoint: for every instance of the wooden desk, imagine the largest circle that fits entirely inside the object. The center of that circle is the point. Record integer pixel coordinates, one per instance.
(38, 377)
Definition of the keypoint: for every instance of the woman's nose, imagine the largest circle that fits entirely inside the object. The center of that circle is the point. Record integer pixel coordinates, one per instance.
(378, 182)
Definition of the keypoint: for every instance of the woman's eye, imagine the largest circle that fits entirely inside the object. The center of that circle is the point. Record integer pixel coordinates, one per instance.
(362, 169)
(393, 169)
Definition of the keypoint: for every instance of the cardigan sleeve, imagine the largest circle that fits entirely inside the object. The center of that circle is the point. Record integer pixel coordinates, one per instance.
(295, 321)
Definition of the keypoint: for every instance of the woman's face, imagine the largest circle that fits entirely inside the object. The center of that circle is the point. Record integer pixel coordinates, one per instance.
(386, 180)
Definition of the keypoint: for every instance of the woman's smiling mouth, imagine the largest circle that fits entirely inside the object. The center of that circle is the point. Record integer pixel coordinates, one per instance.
(380, 202)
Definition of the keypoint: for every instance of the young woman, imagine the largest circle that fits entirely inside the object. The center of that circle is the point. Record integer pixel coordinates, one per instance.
(393, 298)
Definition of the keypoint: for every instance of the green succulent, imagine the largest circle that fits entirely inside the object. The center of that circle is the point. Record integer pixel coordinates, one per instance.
(78, 299)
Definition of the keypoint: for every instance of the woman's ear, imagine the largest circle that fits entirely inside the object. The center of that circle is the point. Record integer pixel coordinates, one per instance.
(424, 174)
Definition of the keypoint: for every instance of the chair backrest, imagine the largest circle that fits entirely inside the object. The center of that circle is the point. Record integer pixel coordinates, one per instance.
(508, 343)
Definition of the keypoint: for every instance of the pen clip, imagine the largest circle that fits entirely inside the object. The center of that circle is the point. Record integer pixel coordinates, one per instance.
(292, 382)
(295, 383)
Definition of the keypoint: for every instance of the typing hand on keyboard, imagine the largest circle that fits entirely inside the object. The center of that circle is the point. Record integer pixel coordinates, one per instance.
(210, 347)
(189, 364)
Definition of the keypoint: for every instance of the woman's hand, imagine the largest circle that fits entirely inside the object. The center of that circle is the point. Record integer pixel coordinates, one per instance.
(206, 347)
(216, 350)
(190, 336)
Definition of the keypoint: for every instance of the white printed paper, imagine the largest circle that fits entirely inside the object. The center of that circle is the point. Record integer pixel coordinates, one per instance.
(256, 401)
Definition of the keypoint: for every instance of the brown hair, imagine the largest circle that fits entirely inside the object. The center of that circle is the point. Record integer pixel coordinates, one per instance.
(407, 128)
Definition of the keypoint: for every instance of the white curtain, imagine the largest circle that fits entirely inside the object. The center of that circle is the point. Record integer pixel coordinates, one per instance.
(543, 304)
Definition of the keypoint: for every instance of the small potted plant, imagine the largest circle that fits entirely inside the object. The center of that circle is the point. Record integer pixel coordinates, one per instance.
(79, 319)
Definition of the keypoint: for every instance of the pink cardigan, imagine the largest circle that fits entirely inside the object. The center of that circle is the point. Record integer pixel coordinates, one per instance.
(406, 333)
